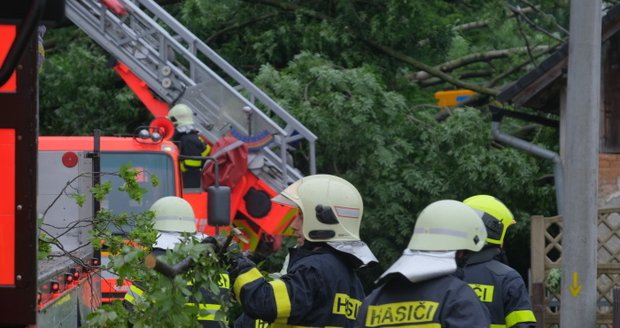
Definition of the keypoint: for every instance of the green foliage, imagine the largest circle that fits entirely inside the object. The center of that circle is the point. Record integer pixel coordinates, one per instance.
(554, 280)
(164, 298)
(79, 199)
(68, 105)
(131, 185)
(44, 248)
(373, 124)
(109, 315)
(401, 157)
(99, 191)
(251, 33)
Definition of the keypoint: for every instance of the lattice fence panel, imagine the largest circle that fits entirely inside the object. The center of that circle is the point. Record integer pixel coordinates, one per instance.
(547, 256)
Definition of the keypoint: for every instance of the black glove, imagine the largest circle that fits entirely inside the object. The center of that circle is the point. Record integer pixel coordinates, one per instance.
(238, 263)
(216, 241)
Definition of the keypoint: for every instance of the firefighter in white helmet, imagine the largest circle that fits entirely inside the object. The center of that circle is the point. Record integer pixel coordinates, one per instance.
(499, 287)
(421, 288)
(321, 287)
(190, 143)
(174, 220)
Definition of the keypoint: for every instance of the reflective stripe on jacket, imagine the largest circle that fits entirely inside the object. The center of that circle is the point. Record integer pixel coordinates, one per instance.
(320, 289)
(134, 295)
(190, 144)
(439, 302)
(501, 289)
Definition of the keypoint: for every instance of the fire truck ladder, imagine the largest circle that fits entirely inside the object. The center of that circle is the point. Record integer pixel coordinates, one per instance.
(172, 61)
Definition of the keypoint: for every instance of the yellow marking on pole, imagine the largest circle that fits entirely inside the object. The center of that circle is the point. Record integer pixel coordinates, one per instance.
(575, 287)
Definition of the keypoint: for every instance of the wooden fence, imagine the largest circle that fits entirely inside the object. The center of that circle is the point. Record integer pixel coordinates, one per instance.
(546, 255)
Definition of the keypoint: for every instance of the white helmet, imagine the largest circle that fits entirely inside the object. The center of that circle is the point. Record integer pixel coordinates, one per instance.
(180, 115)
(448, 225)
(173, 214)
(331, 207)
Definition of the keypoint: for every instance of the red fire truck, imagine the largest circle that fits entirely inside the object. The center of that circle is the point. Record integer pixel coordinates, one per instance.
(251, 209)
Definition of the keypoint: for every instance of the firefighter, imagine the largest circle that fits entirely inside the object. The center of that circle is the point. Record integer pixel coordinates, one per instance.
(175, 220)
(190, 143)
(498, 286)
(421, 287)
(320, 287)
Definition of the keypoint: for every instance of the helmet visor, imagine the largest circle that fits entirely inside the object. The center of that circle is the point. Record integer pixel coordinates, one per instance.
(289, 196)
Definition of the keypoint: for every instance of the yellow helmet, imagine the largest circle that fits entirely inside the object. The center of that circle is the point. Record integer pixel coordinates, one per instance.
(495, 215)
(331, 207)
(181, 114)
(173, 214)
(448, 225)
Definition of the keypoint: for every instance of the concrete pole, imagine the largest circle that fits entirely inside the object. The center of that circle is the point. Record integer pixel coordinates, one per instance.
(579, 241)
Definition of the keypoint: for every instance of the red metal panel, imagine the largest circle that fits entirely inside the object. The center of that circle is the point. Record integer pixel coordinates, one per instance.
(7, 207)
(77, 143)
(7, 36)
(19, 117)
(157, 107)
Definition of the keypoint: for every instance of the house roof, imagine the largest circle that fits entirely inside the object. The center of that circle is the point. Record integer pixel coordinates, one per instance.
(539, 88)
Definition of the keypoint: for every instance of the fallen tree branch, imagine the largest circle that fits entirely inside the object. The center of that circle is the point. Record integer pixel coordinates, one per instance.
(432, 70)
(466, 75)
(473, 58)
(524, 37)
(474, 25)
(519, 15)
(558, 26)
(514, 69)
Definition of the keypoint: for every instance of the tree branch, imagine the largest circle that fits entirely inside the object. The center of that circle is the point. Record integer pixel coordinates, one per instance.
(473, 25)
(292, 7)
(472, 58)
(432, 70)
(516, 68)
(560, 27)
(524, 37)
(239, 25)
(519, 14)
(466, 75)
(385, 49)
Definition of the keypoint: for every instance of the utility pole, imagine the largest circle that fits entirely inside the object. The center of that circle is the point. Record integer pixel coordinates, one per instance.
(580, 157)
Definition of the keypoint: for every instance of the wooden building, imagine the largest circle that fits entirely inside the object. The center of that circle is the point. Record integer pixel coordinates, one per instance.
(544, 89)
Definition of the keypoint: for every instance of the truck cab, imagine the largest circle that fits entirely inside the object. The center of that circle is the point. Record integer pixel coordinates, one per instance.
(65, 168)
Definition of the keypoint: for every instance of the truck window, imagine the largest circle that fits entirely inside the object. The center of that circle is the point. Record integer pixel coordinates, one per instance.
(150, 164)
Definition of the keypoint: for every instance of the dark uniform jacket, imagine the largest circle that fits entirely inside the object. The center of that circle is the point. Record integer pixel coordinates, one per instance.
(190, 145)
(500, 288)
(320, 289)
(445, 301)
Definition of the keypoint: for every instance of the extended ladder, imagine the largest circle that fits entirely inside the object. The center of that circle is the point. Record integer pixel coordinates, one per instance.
(172, 61)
